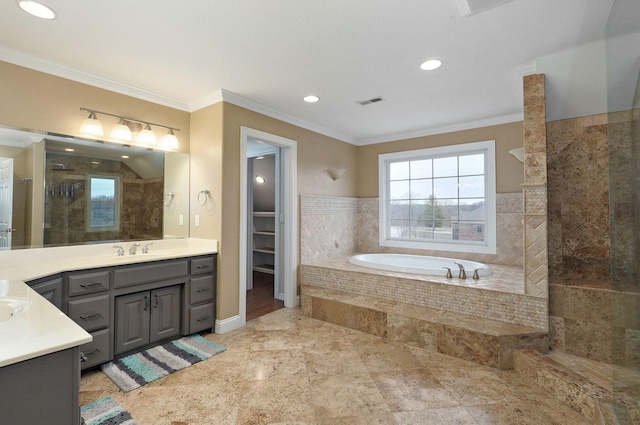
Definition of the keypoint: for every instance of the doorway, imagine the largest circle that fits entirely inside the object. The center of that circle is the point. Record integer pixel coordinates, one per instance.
(265, 290)
(282, 216)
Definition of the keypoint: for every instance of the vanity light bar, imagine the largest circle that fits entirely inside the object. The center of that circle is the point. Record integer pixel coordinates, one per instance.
(169, 141)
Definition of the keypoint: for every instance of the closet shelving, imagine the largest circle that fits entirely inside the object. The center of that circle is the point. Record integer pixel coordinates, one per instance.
(264, 236)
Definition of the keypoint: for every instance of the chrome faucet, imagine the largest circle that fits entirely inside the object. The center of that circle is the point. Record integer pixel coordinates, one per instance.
(475, 273)
(145, 248)
(120, 250)
(462, 274)
(132, 250)
(449, 275)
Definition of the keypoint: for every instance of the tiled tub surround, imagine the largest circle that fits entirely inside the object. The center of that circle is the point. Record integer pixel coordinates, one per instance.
(484, 341)
(335, 227)
(493, 297)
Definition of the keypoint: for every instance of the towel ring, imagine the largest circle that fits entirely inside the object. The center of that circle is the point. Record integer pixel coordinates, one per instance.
(206, 194)
(168, 198)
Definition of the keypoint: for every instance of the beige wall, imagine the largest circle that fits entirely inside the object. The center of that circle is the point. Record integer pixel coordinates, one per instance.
(38, 101)
(316, 153)
(510, 172)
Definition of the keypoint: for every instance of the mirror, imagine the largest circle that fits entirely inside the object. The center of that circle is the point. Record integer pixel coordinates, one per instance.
(57, 190)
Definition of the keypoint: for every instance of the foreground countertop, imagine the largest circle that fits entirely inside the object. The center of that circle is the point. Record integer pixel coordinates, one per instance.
(44, 329)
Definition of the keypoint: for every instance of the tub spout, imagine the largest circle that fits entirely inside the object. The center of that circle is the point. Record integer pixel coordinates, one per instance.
(475, 273)
(449, 275)
(462, 274)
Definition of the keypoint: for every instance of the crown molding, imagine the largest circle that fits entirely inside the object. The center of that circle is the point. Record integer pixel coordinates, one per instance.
(243, 102)
(38, 64)
(527, 68)
(469, 125)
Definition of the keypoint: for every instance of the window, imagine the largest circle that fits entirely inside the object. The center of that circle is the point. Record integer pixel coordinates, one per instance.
(103, 212)
(440, 198)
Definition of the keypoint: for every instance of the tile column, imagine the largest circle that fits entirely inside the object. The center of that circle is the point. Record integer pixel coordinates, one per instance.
(536, 270)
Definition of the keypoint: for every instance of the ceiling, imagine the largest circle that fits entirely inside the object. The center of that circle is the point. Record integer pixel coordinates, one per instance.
(268, 55)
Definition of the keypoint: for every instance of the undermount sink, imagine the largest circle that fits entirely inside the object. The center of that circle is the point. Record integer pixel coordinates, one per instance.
(11, 307)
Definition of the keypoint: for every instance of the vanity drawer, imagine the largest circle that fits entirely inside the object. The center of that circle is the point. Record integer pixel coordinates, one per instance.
(201, 289)
(88, 282)
(150, 272)
(202, 265)
(97, 351)
(201, 318)
(90, 313)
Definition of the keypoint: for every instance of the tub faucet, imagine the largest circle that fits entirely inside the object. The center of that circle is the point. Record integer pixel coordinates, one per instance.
(462, 274)
(449, 275)
(132, 250)
(475, 273)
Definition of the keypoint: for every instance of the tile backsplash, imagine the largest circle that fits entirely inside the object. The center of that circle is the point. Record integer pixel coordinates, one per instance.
(334, 227)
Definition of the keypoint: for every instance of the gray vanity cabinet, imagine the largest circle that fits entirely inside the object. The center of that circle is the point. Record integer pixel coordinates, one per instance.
(50, 288)
(134, 306)
(200, 296)
(88, 303)
(143, 318)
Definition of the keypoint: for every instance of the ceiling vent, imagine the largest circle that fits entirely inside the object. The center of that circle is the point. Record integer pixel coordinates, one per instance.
(473, 7)
(370, 101)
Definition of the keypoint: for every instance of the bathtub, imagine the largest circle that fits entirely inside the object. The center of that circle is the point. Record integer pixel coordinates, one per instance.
(419, 264)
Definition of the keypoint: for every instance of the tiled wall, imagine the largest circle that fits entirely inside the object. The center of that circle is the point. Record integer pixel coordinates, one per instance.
(593, 313)
(335, 227)
(578, 169)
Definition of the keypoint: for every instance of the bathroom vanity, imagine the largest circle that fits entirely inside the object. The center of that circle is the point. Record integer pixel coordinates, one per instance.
(87, 306)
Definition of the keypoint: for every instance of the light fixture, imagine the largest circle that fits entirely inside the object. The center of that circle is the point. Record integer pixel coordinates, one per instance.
(123, 130)
(69, 150)
(311, 98)
(92, 126)
(125, 157)
(260, 179)
(431, 64)
(336, 173)
(169, 141)
(147, 136)
(518, 153)
(37, 9)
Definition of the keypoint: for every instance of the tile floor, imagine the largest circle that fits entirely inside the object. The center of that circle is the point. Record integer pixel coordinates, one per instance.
(287, 369)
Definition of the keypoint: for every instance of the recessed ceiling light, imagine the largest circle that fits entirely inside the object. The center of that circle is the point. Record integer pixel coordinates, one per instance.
(431, 64)
(69, 149)
(311, 99)
(36, 9)
(125, 157)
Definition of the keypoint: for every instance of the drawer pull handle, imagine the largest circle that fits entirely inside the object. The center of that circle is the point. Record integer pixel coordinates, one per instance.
(90, 316)
(83, 356)
(146, 303)
(88, 285)
(203, 289)
(202, 319)
(203, 267)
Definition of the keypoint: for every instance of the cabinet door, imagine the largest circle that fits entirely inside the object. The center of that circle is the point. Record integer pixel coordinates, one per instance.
(51, 291)
(165, 313)
(132, 321)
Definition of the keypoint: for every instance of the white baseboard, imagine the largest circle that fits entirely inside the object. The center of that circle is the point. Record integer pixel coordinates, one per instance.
(230, 324)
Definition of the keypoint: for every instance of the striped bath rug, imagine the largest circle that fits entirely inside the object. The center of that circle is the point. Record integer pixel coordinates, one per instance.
(139, 369)
(105, 411)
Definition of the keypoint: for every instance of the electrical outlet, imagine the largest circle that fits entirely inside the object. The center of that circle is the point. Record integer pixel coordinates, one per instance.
(197, 220)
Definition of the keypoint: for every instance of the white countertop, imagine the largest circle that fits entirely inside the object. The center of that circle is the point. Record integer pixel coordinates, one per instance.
(44, 329)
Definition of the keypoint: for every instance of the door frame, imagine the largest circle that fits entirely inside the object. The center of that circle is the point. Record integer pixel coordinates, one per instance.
(289, 163)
